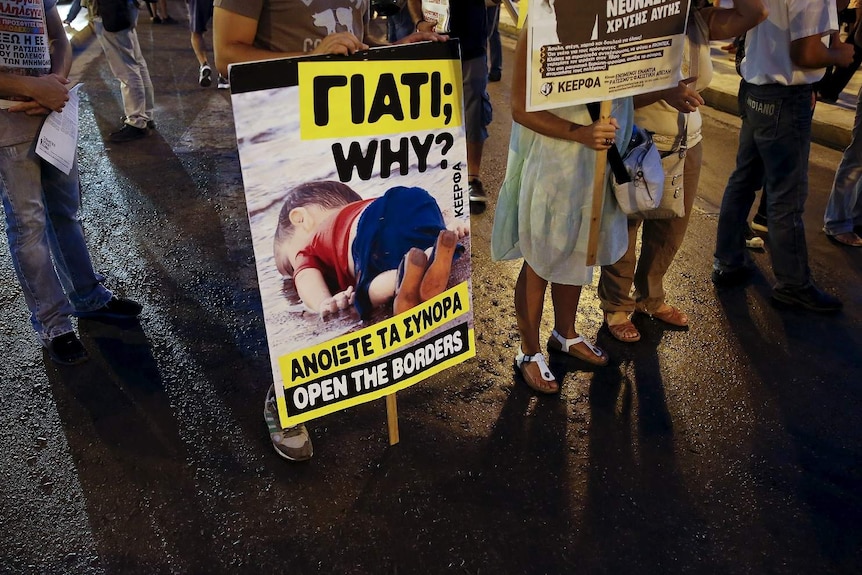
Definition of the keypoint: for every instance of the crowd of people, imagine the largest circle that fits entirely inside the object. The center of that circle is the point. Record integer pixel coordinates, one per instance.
(543, 205)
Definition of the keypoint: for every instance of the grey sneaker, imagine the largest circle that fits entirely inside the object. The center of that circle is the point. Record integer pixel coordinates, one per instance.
(292, 443)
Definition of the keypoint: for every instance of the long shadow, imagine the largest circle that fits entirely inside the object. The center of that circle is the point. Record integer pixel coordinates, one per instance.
(529, 488)
(129, 456)
(809, 371)
(634, 486)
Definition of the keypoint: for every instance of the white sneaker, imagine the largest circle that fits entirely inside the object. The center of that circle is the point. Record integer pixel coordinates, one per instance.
(206, 77)
(223, 84)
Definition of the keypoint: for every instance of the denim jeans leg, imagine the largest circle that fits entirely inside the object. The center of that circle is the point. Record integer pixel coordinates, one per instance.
(844, 208)
(62, 198)
(746, 179)
(26, 232)
(783, 135)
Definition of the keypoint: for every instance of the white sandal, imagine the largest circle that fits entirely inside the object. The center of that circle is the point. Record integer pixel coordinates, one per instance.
(544, 371)
(558, 343)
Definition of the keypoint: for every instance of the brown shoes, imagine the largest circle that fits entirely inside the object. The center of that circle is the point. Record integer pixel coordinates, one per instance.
(621, 327)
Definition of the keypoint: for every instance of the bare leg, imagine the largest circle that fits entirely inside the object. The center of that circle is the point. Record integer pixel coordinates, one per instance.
(199, 45)
(566, 299)
(529, 301)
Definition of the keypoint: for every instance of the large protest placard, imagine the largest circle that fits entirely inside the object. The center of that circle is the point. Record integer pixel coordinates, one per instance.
(354, 170)
(591, 50)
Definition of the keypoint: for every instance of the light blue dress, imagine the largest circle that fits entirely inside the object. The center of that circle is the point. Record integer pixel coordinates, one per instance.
(544, 207)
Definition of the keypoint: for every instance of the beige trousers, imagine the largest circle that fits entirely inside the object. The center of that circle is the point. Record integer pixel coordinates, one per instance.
(660, 240)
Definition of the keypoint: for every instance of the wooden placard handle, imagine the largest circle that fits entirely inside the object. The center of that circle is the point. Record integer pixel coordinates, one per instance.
(598, 192)
(392, 418)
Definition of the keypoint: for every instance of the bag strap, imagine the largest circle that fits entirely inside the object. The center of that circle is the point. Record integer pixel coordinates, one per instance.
(618, 167)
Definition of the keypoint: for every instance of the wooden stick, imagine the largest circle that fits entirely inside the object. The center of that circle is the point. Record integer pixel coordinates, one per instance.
(598, 193)
(392, 418)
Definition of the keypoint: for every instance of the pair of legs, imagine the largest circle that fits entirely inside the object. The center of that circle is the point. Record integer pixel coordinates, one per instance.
(123, 52)
(478, 113)
(529, 304)
(160, 11)
(200, 14)
(46, 241)
(423, 274)
(660, 242)
(844, 208)
(774, 144)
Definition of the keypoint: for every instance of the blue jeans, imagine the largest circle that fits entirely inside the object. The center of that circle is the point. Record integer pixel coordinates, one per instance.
(495, 48)
(46, 240)
(399, 25)
(774, 143)
(844, 208)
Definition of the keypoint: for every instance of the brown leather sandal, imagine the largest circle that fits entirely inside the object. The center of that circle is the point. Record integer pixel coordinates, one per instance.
(625, 332)
(671, 316)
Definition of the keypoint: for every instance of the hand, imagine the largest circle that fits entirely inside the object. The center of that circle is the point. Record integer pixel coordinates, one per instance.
(343, 43)
(30, 108)
(48, 91)
(842, 54)
(341, 300)
(683, 97)
(419, 36)
(599, 135)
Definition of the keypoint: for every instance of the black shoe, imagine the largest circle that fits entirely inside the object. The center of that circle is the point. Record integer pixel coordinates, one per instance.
(810, 297)
(116, 308)
(827, 98)
(168, 20)
(478, 199)
(157, 20)
(731, 277)
(494, 76)
(128, 133)
(66, 349)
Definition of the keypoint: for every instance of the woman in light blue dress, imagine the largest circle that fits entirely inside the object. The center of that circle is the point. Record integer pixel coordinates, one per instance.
(543, 216)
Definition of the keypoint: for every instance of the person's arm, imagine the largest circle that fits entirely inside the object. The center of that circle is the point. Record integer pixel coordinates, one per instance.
(809, 52)
(732, 22)
(313, 291)
(49, 92)
(683, 97)
(593, 135)
(419, 23)
(233, 41)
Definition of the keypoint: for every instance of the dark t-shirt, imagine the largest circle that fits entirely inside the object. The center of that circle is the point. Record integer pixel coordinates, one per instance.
(469, 24)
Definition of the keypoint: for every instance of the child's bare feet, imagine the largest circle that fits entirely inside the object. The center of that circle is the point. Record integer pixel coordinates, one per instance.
(409, 281)
(437, 275)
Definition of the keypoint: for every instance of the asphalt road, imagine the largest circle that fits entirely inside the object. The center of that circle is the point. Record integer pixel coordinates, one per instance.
(731, 448)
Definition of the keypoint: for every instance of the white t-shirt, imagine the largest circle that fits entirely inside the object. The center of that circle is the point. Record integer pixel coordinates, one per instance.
(767, 45)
